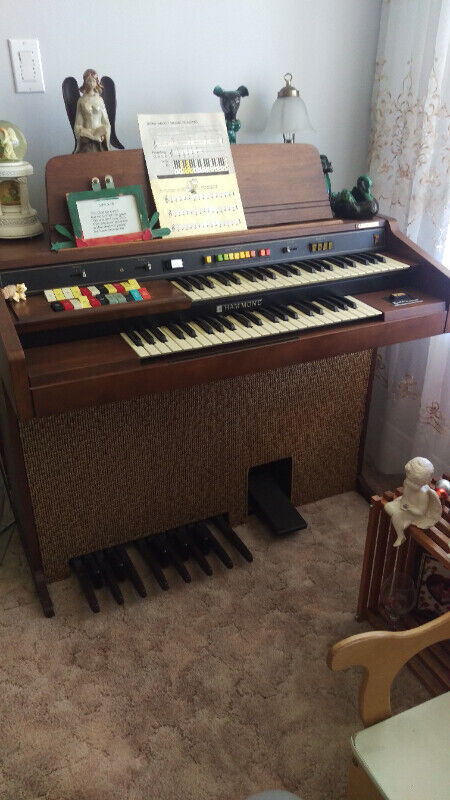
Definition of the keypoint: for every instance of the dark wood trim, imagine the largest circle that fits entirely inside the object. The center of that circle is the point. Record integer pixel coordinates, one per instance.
(19, 494)
(61, 381)
(13, 373)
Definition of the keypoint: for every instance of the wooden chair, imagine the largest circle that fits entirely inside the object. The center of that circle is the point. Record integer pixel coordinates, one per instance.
(404, 757)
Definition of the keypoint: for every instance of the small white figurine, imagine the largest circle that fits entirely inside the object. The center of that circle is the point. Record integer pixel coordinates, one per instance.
(419, 504)
(15, 292)
(8, 140)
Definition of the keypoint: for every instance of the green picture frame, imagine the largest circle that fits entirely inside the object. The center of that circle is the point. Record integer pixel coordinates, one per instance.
(73, 198)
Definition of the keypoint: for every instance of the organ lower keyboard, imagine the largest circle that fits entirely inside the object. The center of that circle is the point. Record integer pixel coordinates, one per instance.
(215, 330)
(108, 367)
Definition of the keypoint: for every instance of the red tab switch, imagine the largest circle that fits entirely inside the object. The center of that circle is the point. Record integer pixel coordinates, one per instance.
(67, 305)
(94, 302)
(144, 293)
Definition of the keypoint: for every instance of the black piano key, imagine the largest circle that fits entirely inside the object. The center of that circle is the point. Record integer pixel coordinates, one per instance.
(281, 270)
(232, 537)
(337, 301)
(303, 308)
(227, 323)
(214, 544)
(325, 265)
(159, 548)
(268, 273)
(206, 280)
(348, 261)
(205, 326)
(361, 260)
(242, 319)
(257, 274)
(252, 318)
(93, 570)
(380, 259)
(233, 278)
(152, 563)
(370, 258)
(216, 324)
(339, 262)
(328, 303)
(85, 583)
(157, 333)
(188, 329)
(268, 314)
(108, 576)
(135, 338)
(195, 283)
(222, 278)
(175, 330)
(131, 572)
(184, 283)
(307, 266)
(280, 312)
(349, 302)
(248, 276)
(291, 313)
(147, 337)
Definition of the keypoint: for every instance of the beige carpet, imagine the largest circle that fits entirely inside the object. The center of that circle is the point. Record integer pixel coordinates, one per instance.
(211, 691)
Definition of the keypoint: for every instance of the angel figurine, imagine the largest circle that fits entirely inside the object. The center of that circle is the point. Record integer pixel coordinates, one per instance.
(419, 504)
(91, 116)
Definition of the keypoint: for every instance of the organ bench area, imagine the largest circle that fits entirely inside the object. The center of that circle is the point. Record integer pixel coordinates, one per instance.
(143, 383)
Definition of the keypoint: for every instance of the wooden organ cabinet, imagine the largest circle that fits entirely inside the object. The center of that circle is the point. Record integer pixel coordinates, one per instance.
(126, 419)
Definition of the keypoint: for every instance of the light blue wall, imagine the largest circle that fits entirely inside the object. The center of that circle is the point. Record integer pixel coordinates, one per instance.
(167, 56)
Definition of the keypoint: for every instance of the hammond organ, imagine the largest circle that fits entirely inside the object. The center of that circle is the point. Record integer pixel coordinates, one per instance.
(142, 383)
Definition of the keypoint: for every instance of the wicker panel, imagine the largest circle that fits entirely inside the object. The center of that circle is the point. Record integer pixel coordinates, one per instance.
(105, 475)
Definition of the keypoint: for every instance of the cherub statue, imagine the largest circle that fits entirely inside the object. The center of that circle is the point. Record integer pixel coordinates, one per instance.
(8, 140)
(419, 504)
(229, 103)
(92, 116)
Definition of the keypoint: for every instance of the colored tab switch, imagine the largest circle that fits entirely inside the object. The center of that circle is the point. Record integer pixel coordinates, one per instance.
(94, 302)
(85, 291)
(207, 259)
(262, 252)
(144, 293)
(67, 305)
(135, 294)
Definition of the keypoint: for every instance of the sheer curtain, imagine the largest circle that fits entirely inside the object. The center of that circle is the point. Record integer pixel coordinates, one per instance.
(409, 163)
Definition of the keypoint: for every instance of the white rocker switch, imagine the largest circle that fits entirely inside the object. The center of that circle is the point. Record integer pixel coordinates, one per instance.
(26, 65)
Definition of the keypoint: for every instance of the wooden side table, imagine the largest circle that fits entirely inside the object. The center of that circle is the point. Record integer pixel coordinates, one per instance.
(381, 558)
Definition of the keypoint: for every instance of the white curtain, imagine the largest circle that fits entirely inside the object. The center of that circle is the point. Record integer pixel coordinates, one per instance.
(409, 162)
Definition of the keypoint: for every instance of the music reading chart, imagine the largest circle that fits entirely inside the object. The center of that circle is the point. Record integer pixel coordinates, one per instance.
(191, 173)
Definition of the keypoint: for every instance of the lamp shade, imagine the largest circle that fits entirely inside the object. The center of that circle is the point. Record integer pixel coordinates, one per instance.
(288, 115)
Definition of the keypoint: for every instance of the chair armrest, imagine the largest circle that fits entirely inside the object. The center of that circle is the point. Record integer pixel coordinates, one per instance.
(382, 654)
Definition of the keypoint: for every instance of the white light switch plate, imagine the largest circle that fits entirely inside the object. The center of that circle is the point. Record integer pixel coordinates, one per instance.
(27, 65)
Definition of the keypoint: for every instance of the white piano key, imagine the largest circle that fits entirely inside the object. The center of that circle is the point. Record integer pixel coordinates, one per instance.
(140, 351)
(151, 349)
(210, 338)
(162, 347)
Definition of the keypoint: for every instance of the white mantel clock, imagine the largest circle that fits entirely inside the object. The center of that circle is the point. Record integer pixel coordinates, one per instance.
(17, 219)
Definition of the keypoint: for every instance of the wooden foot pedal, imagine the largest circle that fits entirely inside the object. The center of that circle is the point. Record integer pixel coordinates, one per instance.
(272, 505)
